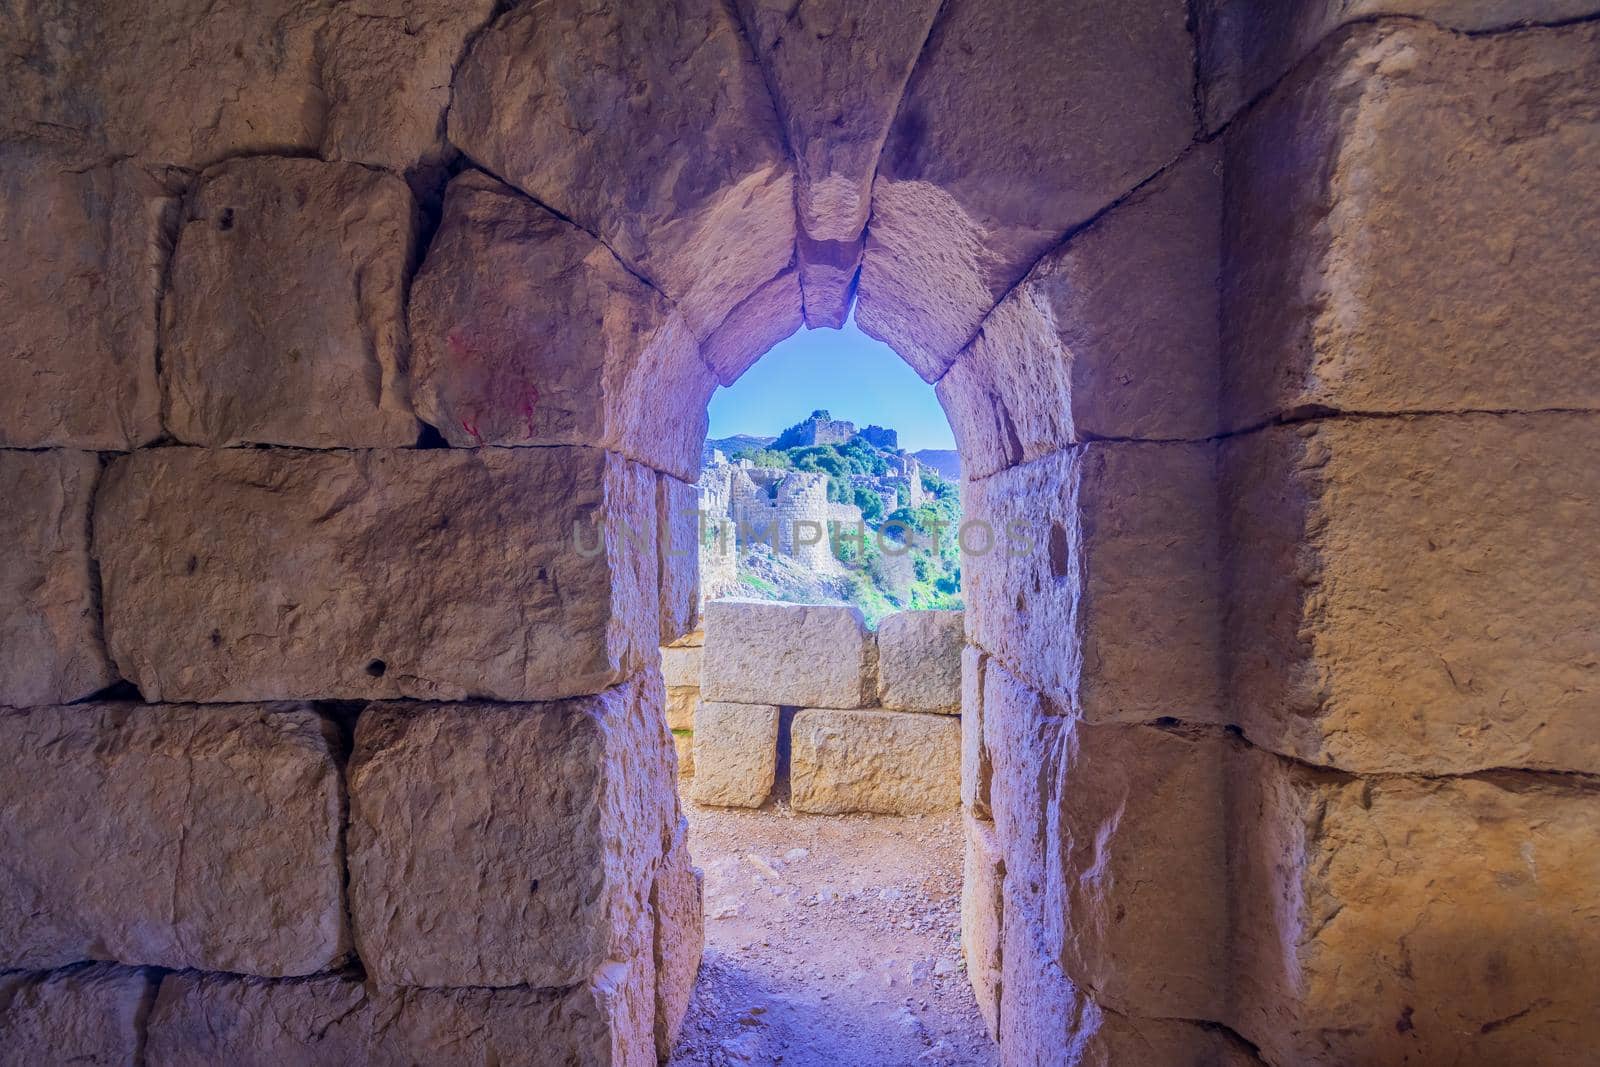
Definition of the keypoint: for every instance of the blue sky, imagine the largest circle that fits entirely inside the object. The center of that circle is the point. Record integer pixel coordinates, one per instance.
(844, 371)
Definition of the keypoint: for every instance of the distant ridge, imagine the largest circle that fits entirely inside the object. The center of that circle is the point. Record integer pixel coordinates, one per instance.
(947, 461)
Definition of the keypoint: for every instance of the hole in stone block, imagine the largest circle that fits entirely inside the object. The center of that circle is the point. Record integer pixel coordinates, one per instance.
(377, 668)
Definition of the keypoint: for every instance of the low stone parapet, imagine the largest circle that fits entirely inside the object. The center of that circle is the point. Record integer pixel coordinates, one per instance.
(888, 762)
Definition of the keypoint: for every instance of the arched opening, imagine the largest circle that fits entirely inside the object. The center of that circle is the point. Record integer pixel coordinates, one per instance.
(815, 712)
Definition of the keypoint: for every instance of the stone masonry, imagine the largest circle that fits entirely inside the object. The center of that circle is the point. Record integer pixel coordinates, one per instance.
(353, 367)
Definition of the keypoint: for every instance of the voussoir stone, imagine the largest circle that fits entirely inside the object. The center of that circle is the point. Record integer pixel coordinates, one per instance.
(92, 1013)
(50, 645)
(890, 762)
(1101, 582)
(1383, 916)
(1428, 243)
(172, 835)
(1423, 593)
(506, 845)
(735, 753)
(512, 574)
(1247, 45)
(81, 255)
(761, 320)
(919, 661)
(678, 901)
(528, 331)
(1112, 335)
(838, 70)
(1020, 121)
(658, 134)
(200, 1020)
(284, 321)
(759, 652)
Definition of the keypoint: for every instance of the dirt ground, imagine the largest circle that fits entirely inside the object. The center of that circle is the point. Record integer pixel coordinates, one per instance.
(830, 940)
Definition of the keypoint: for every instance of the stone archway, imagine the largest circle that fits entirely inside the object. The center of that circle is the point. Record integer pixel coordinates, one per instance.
(1270, 323)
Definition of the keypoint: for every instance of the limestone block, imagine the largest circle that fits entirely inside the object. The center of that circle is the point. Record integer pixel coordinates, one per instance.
(982, 917)
(919, 661)
(1112, 335)
(1423, 593)
(284, 321)
(92, 1013)
(761, 320)
(977, 770)
(50, 645)
(506, 845)
(1102, 585)
(204, 1019)
(1425, 243)
(678, 548)
(81, 255)
(505, 573)
(680, 667)
(735, 753)
(788, 654)
(1247, 45)
(681, 700)
(657, 134)
(526, 330)
(892, 762)
(1115, 836)
(1020, 121)
(678, 902)
(828, 272)
(837, 70)
(172, 835)
(1446, 920)
(683, 746)
(386, 73)
(188, 82)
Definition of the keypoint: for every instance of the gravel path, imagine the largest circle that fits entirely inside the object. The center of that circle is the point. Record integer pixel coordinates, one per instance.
(830, 940)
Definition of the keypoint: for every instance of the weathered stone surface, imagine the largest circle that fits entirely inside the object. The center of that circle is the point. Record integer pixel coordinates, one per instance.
(788, 654)
(982, 917)
(91, 1014)
(284, 321)
(761, 320)
(1112, 335)
(977, 771)
(178, 836)
(1020, 121)
(1103, 585)
(735, 753)
(1116, 838)
(1112, 1040)
(680, 667)
(265, 574)
(828, 272)
(1441, 920)
(678, 547)
(50, 645)
(1427, 244)
(658, 134)
(678, 901)
(386, 73)
(838, 71)
(892, 762)
(526, 330)
(1424, 593)
(204, 1019)
(506, 845)
(183, 81)
(919, 661)
(681, 700)
(1247, 45)
(683, 745)
(81, 255)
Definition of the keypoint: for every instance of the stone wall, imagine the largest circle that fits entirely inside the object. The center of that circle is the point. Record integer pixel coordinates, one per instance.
(868, 717)
(321, 329)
